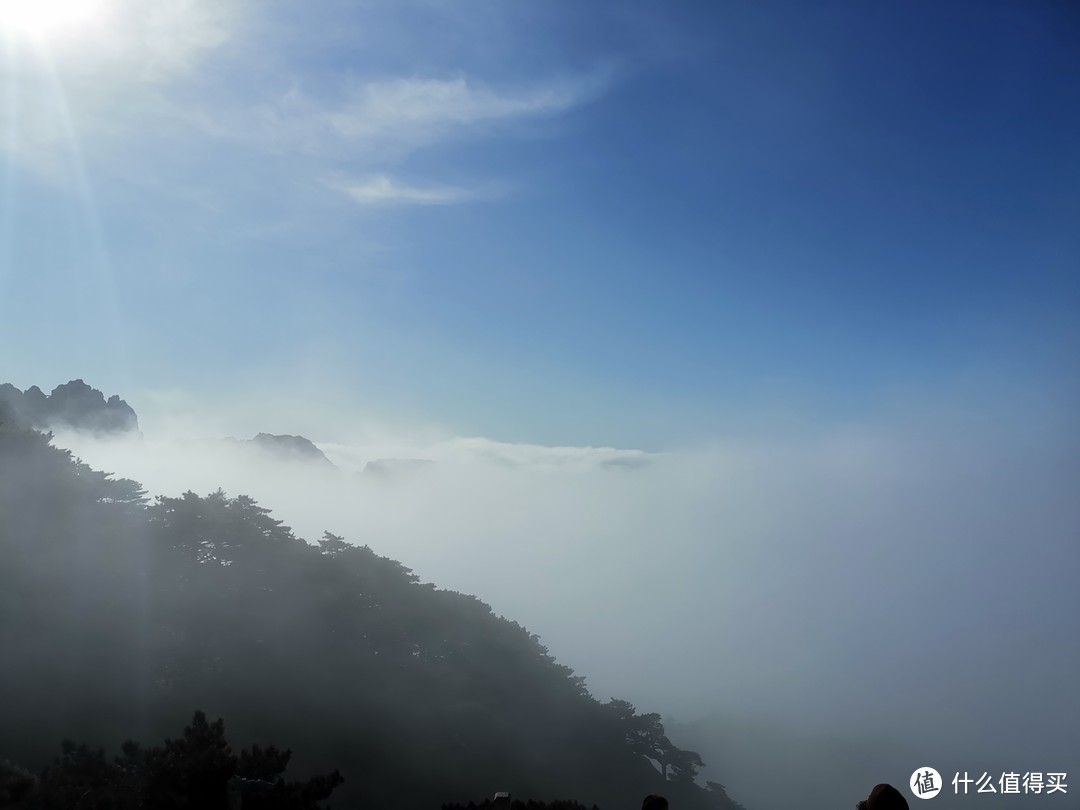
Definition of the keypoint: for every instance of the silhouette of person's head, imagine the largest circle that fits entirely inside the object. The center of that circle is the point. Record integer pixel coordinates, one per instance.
(883, 797)
(654, 802)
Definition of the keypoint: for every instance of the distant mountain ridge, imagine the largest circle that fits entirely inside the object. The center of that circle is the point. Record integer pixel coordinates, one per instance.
(79, 406)
(73, 404)
(288, 448)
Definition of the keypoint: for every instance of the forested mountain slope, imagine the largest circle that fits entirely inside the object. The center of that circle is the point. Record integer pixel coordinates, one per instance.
(120, 617)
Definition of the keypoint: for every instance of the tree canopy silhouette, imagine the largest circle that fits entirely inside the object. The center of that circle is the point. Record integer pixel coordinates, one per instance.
(126, 613)
(197, 770)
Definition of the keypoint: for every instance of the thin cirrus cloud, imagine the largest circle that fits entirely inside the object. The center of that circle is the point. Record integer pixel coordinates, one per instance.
(129, 76)
(385, 120)
(381, 122)
(383, 190)
(423, 111)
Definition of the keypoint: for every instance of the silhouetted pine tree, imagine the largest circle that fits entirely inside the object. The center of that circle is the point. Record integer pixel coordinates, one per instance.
(122, 615)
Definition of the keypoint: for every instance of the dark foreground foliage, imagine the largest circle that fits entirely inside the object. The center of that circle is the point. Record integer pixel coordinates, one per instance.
(117, 616)
(198, 770)
(558, 804)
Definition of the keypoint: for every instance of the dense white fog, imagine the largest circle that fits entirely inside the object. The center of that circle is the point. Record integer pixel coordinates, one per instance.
(911, 578)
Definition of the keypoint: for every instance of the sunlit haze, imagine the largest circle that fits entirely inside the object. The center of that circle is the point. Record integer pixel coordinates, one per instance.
(39, 17)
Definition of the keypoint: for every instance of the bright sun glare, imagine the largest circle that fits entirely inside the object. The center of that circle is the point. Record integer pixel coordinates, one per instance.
(40, 17)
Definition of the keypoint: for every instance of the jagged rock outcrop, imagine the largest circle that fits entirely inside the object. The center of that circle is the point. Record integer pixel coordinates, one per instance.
(291, 448)
(72, 405)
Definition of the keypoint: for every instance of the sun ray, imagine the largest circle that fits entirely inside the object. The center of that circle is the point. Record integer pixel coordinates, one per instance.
(99, 260)
(40, 17)
(8, 151)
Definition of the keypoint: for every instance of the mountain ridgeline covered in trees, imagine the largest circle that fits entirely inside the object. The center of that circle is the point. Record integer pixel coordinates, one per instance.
(121, 617)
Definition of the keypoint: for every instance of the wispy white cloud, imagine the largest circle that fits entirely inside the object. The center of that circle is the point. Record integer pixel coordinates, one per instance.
(161, 41)
(383, 190)
(387, 119)
(417, 112)
(135, 76)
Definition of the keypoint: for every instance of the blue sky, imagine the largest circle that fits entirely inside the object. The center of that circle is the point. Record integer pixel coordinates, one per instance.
(626, 223)
(826, 253)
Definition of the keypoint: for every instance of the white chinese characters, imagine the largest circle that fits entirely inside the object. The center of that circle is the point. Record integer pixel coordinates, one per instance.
(1011, 782)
